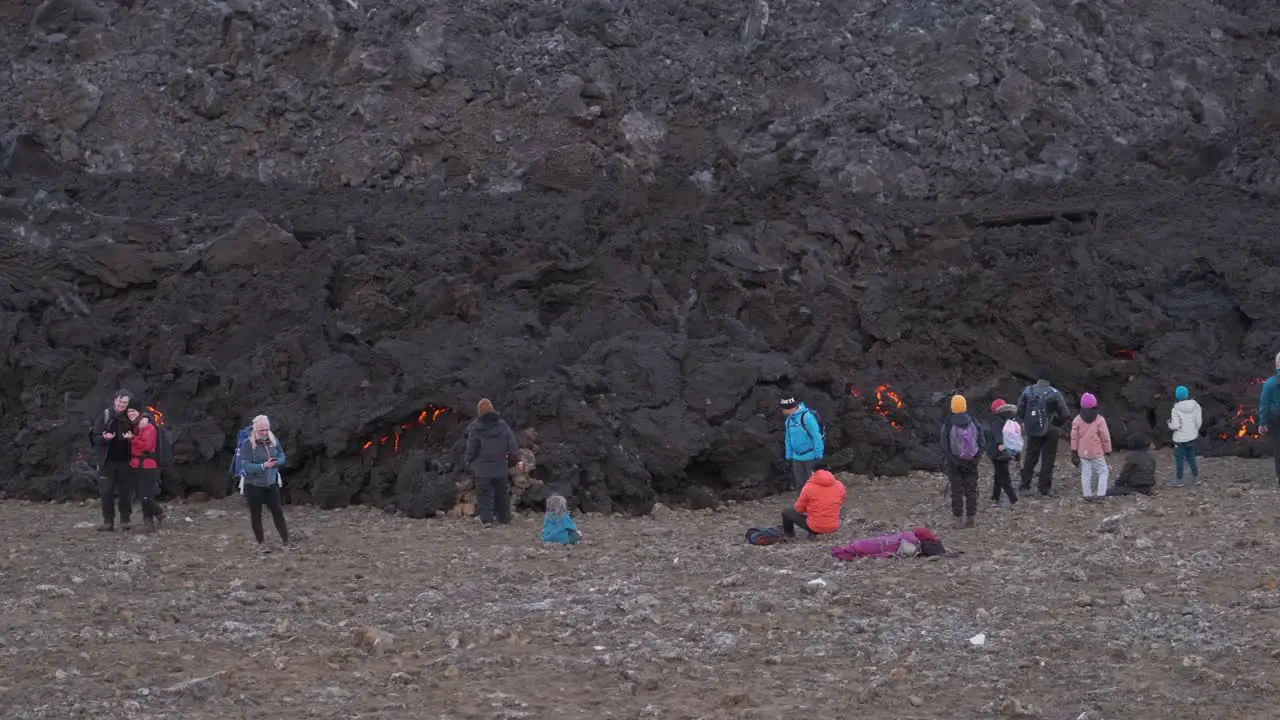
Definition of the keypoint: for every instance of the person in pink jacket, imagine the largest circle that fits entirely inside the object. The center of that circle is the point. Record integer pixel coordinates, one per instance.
(1090, 445)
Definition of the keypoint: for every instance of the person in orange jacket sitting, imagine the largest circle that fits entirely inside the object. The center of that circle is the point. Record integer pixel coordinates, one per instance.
(817, 510)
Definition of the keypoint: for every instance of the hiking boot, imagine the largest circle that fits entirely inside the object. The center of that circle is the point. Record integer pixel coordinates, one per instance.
(959, 523)
(1176, 482)
(264, 549)
(969, 521)
(106, 527)
(995, 502)
(159, 520)
(149, 526)
(126, 526)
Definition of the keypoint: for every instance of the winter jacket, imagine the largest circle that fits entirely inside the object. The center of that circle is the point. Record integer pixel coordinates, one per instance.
(1138, 473)
(959, 420)
(255, 454)
(1090, 437)
(490, 442)
(803, 435)
(1054, 403)
(1269, 402)
(560, 529)
(820, 501)
(142, 447)
(1185, 421)
(117, 449)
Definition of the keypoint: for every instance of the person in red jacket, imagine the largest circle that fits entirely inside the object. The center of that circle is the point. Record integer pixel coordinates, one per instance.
(146, 474)
(817, 510)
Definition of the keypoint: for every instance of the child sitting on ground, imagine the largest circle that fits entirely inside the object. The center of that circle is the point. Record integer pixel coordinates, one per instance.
(557, 525)
(1139, 472)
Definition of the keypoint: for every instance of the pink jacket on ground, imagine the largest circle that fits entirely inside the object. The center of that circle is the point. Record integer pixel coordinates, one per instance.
(1090, 440)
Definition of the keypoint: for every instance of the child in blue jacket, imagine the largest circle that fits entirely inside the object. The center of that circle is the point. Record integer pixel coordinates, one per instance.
(557, 525)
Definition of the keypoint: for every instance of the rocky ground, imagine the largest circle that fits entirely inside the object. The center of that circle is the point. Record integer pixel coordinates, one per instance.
(1138, 608)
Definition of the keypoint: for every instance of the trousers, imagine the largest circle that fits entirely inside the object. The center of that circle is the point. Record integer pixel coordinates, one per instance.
(1089, 467)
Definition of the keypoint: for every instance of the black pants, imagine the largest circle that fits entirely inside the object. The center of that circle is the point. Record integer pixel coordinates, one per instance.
(792, 519)
(801, 470)
(269, 496)
(964, 489)
(115, 487)
(1273, 429)
(493, 497)
(1002, 482)
(1044, 449)
(146, 483)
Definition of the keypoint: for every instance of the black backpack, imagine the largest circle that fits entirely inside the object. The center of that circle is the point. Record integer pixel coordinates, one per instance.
(1036, 418)
(822, 429)
(163, 454)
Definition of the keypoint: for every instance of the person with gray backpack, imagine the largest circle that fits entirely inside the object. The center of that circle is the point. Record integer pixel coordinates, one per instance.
(962, 442)
(1042, 410)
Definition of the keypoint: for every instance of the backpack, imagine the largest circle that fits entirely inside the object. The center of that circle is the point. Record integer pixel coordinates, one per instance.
(1037, 412)
(237, 463)
(766, 536)
(822, 429)
(964, 441)
(1011, 437)
(164, 443)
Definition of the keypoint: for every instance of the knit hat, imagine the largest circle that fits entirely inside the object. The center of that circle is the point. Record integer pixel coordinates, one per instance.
(1000, 407)
(788, 403)
(1181, 392)
(1088, 401)
(959, 404)
(484, 407)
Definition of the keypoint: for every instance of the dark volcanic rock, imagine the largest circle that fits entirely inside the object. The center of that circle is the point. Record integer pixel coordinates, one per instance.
(633, 227)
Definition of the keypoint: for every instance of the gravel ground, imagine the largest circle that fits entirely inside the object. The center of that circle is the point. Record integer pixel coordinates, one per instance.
(1136, 608)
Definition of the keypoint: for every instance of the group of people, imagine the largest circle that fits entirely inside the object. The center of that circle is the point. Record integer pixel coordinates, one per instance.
(1028, 431)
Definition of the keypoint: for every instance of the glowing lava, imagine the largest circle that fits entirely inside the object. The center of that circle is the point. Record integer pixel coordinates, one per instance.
(887, 400)
(1244, 423)
(159, 416)
(425, 419)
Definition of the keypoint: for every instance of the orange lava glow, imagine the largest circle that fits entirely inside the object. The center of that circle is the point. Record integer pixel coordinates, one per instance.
(887, 400)
(159, 416)
(425, 419)
(1244, 423)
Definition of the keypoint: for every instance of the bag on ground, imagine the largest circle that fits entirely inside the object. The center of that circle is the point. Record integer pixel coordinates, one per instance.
(766, 536)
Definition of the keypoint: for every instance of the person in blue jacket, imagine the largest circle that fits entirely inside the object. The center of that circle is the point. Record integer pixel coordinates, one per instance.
(558, 525)
(804, 443)
(1269, 414)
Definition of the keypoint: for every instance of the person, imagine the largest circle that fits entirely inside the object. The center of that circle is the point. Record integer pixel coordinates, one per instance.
(817, 510)
(111, 436)
(803, 441)
(1001, 456)
(557, 524)
(263, 456)
(146, 473)
(1138, 474)
(491, 446)
(1269, 414)
(1090, 446)
(1042, 410)
(1185, 421)
(962, 442)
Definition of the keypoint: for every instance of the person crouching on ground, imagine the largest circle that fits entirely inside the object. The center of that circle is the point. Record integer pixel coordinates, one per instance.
(263, 455)
(1090, 445)
(1001, 455)
(802, 441)
(962, 444)
(146, 474)
(1185, 421)
(817, 510)
(558, 525)
(491, 444)
(1138, 474)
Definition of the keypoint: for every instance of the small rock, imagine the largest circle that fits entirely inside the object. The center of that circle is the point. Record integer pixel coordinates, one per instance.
(454, 640)
(915, 700)
(897, 675)
(818, 585)
(1132, 596)
(373, 638)
(451, 672)
(1013, 707)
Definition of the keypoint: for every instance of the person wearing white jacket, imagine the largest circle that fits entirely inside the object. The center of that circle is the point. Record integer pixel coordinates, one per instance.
(1185, 423)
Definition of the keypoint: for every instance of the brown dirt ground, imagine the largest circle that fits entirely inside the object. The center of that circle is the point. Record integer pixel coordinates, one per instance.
(668, 616)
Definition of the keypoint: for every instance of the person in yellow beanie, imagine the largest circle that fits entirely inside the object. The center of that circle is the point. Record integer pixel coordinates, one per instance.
(962, 443)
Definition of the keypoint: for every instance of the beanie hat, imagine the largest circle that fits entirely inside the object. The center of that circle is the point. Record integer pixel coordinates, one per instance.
(788, 403)
(484, 407)
(959, 404)
(1088, 401)
(1181, 392)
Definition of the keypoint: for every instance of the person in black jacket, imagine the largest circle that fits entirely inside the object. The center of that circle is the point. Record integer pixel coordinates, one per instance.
(1000, 457)
(1138, 475)
(110, 436)
(491, 445)
(1043, 411)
